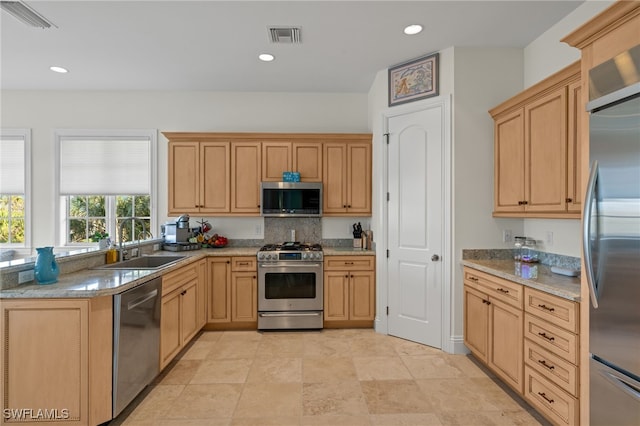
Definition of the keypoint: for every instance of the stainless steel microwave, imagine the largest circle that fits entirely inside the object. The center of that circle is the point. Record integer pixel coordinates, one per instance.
(291, 199)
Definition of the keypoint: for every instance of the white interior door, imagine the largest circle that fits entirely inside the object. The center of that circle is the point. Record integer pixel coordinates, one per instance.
(416, 223)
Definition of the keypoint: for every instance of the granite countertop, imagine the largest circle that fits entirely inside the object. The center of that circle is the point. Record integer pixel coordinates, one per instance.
(547, 281)
(91, 282)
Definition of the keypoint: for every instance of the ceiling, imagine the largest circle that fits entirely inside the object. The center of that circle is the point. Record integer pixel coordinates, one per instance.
(213, 45)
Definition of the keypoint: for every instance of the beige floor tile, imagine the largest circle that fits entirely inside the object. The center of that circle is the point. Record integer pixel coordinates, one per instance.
(431, 367)
(335, 421)
(230, 349)
(380, 368)
(426, 419)
(464, 418)
(409, 348)
(266, 400)
(460, 394)
(468, 366)
(395, 396)
(179, 373)
(337, 398)
(220, 421)
(327, 346)
(275, 369)
(288, 345)
(496, 395)
(222, 371)
(240, 336)
(156, 403)
(328, 369)
(198, 350)
(210, 336)
(372, 346)
(265, 421)
(205, 402)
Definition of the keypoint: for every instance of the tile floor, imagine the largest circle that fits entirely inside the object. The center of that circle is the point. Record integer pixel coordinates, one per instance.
(329, 377)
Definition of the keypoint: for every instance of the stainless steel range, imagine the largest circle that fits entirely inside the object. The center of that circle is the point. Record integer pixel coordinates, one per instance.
(290, 286)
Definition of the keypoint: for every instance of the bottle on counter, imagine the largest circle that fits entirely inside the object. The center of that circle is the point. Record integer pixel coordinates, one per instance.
(529, 252)
(112, 254)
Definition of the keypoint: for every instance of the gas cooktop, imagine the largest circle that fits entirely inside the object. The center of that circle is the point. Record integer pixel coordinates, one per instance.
(292, 246)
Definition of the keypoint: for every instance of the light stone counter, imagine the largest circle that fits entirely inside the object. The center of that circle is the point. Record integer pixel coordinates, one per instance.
(346, 251)
(546, 281)
(99, 282)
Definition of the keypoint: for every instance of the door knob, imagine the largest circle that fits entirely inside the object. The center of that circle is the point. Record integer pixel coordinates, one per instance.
(435, 258)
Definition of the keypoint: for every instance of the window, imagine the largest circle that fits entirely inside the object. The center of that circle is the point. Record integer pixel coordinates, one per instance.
(15, 175)
(105, 177)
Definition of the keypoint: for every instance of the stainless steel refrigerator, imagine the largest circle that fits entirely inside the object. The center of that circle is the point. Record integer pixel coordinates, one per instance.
(612, 240)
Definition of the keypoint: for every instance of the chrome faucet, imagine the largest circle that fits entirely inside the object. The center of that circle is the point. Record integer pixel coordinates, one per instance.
(124, 254)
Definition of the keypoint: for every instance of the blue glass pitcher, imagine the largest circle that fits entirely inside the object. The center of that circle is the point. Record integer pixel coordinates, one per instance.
(46, 268)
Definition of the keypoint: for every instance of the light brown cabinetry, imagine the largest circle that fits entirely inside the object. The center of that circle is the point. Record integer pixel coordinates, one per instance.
(534, 149)
(493, 321)
(302, 157)
(349, 291)
(57, 355)
(233, 292)
(347, 178)
(245, 177)
(199, 177)
(181, 310)
(551, 356)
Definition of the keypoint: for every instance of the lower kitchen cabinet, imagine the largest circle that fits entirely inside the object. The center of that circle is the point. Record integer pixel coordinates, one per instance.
(493, 325)
(57, 356)
(349, 291)
(233, 292)
(182, 312)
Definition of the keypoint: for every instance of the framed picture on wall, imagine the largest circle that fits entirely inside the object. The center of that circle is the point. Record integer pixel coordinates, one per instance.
(413, 80)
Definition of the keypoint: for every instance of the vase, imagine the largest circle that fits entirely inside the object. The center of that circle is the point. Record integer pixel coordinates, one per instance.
(46, 268)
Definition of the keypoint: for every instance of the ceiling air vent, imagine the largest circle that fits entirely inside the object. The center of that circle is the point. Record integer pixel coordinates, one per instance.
(290, 35)
(26, 14)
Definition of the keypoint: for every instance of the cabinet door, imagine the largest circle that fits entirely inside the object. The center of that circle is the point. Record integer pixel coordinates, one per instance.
(506, 343)
(336, 296)
(203, 285)
(362, 296)
(509, 162)
(219, 276)
(546, 152)
(574, 177)
(334, 178)
(307, 160)
(215, 170)
(184, 177)
(476, 322)
(244, 296)
(189, 312)
(170, 339)
(276, 158)
(245, 177)
(359, 178)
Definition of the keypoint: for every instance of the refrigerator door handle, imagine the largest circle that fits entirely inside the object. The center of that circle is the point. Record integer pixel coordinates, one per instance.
(622, 384)
(588, 205)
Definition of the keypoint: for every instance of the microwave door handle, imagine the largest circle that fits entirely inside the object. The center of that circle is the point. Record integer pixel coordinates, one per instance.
(586, 232)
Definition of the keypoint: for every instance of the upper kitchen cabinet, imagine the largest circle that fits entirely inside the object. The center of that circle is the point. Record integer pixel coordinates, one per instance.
(347, 177)
(245, 177)
(199, 177)
(298, 156)
(536, 135)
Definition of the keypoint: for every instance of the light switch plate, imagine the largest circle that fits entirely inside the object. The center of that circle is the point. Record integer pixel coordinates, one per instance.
(26, 276)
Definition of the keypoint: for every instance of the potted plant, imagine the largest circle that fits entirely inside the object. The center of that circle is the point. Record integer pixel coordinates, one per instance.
(102, 238)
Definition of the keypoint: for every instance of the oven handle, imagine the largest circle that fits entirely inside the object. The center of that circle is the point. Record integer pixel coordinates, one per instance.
(289, 314)
(289, 265)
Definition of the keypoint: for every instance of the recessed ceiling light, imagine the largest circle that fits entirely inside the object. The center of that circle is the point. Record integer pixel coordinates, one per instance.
(412, 29)
(59, 69)
(266, 57)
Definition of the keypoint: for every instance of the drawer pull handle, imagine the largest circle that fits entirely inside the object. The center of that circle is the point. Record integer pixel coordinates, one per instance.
(486, 301)
(544, 395)
(348, 263)
(544, 363)
(502, 290)
(473, 278)
(551, 339)
(546, 308)
(243, 263)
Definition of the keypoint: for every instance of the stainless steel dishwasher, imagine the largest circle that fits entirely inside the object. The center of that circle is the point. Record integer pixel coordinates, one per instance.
(136, 341)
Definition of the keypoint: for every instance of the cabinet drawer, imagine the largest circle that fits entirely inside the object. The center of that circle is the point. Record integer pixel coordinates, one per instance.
(349, 263)
(561, 312)
(554, 403)
(177, 278)
(552, 338)
(559, 371)
(244, 263)
(507, 291)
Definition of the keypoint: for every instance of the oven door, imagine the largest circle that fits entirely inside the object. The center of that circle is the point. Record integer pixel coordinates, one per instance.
(290, 286)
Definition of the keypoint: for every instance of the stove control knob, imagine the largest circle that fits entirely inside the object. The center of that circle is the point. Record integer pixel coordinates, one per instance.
(305, 255)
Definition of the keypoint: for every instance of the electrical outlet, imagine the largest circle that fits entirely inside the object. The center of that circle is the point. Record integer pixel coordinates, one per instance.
(507, 236)
(25, 276)
(549, 238)
(156, 247)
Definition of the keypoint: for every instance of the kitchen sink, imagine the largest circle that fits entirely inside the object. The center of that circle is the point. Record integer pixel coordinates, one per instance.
(144, 262)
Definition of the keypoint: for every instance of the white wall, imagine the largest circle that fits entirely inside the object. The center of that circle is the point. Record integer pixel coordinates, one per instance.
(543, 57)
(44, 111)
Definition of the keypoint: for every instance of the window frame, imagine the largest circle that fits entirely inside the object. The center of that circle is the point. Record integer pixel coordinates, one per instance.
(25, 135)
(61, 230)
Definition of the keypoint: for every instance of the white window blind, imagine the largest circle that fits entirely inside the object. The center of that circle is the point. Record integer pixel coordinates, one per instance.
(12, 166)
(106, 166)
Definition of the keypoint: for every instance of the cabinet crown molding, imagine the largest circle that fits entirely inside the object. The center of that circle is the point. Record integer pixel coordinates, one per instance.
(215, 136)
